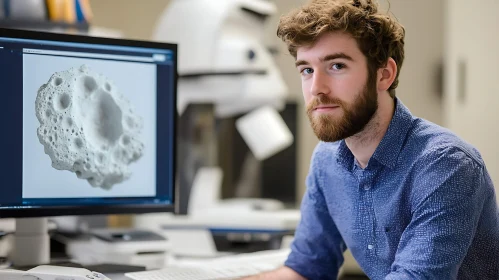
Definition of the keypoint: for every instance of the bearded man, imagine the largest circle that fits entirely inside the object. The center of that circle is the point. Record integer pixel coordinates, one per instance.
(409, 199)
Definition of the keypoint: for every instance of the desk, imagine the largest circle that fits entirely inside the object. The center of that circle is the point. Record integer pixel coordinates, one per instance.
(117, 276)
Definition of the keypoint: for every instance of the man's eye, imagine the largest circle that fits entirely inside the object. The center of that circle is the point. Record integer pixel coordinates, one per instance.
(307, 71)
(338, 66)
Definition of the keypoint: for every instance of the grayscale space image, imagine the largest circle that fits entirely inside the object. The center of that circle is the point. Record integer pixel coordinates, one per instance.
(88, 127)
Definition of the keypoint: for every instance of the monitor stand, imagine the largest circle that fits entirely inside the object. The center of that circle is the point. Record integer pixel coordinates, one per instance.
(31, 242)
(32, 245)
(32, 248)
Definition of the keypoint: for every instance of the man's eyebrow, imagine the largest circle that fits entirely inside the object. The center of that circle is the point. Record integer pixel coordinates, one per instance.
(336, 56)
(301, 62)
(326, 58)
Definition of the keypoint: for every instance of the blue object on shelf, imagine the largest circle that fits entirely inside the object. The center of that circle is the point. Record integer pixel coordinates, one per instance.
(80, 17)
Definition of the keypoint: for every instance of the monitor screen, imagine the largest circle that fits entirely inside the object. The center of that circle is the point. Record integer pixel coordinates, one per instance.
(88, 125)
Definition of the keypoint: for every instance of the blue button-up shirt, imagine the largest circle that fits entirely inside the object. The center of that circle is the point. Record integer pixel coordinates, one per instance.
(423, 208)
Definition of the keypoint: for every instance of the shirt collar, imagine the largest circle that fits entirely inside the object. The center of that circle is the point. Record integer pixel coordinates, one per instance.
(344, 156)
(390, 146)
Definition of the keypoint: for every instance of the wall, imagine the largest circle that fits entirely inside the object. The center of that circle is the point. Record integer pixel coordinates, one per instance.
(473, 41)
(420, 85)
(134, 18)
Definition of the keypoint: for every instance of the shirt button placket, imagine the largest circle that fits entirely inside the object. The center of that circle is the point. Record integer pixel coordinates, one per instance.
(367, 186)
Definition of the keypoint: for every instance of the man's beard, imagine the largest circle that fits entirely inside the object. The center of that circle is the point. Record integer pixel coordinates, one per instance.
(330, 128)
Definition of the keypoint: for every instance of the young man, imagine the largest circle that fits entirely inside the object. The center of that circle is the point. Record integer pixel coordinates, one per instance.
(409, 199)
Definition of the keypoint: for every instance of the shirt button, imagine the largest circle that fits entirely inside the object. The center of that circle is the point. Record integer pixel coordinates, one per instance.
(367, 187)
(370, 247)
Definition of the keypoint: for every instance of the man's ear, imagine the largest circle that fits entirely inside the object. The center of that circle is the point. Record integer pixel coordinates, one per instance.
(387, 74)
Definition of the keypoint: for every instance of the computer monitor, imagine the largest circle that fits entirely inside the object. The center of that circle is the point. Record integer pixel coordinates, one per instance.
(88, 128)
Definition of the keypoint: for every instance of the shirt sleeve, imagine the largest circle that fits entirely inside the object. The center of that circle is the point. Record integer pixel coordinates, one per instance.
(317, 249)
(446, 206)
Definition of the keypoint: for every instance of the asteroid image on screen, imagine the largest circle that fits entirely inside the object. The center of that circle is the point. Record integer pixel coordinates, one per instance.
(88, 127)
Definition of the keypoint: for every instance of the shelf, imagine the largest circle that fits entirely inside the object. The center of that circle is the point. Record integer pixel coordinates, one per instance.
(42, 25)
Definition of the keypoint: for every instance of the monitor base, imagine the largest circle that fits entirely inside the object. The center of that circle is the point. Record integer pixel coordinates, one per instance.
(31, 242)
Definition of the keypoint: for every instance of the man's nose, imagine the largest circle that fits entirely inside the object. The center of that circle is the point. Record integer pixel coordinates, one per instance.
(319, 84)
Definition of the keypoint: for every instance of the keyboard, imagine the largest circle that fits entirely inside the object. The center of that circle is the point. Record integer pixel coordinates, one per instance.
(229, 267)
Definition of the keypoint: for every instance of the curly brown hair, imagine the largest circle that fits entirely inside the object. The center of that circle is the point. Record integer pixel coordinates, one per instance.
(379, 35)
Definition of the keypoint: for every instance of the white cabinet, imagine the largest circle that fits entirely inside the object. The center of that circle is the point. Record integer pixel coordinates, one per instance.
(471, 102)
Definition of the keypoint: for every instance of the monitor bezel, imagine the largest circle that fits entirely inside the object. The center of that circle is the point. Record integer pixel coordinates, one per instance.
(47, 211)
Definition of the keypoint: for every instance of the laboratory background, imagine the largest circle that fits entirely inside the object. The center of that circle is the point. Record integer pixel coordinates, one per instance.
(238, 182)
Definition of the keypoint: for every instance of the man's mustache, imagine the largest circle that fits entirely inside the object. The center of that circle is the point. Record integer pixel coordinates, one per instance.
(324, 100)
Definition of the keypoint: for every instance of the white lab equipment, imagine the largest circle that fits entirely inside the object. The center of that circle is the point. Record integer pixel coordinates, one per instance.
(118, 246)
(246, 219)
(222, 59)
(205, 199)
(48, 272)
(264, 131)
